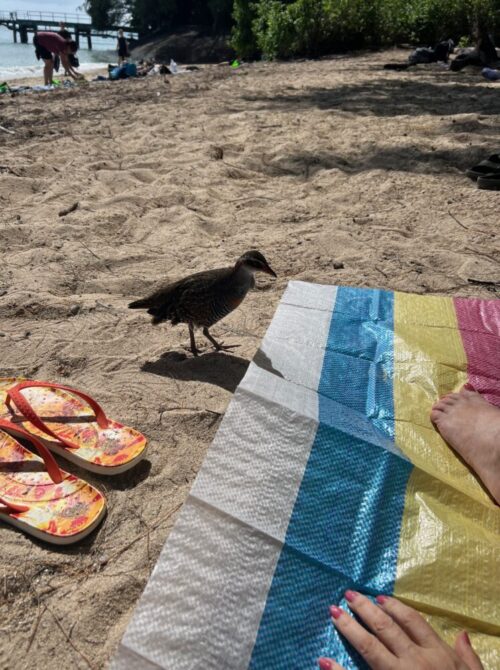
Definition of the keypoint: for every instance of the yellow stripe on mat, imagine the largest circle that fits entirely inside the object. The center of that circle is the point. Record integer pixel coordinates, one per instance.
(450, 534)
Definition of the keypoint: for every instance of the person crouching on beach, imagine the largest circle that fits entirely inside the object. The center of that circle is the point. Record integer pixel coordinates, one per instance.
(47, 47)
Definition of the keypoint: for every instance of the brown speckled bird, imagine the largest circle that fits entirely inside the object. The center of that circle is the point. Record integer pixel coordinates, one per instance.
(204, 298)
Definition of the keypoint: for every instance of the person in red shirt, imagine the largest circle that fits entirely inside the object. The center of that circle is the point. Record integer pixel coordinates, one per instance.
(47, 47)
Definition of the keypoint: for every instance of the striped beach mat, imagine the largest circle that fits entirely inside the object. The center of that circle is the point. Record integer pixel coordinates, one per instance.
(326, 474)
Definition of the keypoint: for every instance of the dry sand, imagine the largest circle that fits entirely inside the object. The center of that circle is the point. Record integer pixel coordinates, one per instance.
(338, 171)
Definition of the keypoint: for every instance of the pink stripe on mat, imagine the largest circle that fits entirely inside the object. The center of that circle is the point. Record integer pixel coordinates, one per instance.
(479, 323)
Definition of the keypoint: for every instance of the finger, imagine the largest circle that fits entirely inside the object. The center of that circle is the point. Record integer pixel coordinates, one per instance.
(413, 623)
(384, 626)
(371, 649)
(464, 649)
(328, 664)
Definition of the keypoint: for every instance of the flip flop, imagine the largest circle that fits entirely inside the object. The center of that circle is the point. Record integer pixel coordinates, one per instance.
(489, 182)
(488, 166)
(72, 425)
(39, 498)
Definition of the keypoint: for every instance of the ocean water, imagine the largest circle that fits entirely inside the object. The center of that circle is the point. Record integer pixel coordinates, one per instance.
(18, 60)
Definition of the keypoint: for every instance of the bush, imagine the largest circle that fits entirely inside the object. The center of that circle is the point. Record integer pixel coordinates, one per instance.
(243, 39)
(288, 28)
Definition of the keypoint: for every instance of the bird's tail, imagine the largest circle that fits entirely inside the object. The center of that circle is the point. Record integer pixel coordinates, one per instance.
(158, 313)
(139, 304)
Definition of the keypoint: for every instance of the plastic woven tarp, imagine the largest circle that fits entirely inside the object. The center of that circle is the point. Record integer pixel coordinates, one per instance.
(326, 474)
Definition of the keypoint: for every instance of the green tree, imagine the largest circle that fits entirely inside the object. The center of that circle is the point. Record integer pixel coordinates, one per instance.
(221, 15)
(290, 28)
(150, 16)
(243, 37)
(105, 13)
(153, 15)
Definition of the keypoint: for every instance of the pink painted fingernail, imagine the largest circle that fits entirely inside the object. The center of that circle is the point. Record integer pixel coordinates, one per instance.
(381, 599)
(351, 596)
(335, 611)
(324, 664)
(466, 637)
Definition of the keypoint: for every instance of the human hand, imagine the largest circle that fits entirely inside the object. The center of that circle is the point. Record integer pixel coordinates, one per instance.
(401, 640)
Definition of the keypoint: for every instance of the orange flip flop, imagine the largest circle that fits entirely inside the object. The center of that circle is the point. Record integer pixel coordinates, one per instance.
(39, 498)
(72, 425)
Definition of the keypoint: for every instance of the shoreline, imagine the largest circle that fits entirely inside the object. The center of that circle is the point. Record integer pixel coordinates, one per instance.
(33, 79)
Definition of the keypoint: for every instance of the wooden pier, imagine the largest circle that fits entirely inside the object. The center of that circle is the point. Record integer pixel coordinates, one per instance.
(23, 23)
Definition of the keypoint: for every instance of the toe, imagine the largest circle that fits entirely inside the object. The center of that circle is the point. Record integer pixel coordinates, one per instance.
(436, 414)
(443, 404)
(466, 393)
(449, 399)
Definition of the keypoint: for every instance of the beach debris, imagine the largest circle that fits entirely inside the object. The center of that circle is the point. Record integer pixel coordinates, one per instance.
(491, 74)
(74, 309)
(483, 282)
(217, 153)
(338, 265)
(6, 130)
(69, 209)
(6, 168)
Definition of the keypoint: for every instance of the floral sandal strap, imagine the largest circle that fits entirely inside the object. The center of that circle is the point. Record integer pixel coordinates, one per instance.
(50, 462)
(14, 395)
(8, 507)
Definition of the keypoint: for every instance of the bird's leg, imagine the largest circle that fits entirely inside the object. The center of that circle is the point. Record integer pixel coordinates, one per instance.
(193, 341)
(218, 345)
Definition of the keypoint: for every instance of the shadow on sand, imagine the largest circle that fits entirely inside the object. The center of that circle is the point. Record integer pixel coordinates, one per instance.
(392, 97)
(218, 368)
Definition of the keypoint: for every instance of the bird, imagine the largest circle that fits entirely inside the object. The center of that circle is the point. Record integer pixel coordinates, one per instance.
(204, 298)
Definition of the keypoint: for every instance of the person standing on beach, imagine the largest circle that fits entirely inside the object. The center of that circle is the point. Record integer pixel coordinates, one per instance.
(47, 47)
(122, 47)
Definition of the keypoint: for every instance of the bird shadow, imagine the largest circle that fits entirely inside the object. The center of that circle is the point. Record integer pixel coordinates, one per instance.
(263, 361)
(218, 368)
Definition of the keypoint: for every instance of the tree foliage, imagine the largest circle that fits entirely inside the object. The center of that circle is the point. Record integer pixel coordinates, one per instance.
(105, 13)
(288, 28)
(150, 16)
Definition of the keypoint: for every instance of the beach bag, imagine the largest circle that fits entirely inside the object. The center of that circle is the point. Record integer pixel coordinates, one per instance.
(130, 69)
(422, 55)
(115, 73)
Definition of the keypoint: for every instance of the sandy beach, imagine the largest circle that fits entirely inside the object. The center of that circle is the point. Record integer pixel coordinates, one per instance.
(337, 171)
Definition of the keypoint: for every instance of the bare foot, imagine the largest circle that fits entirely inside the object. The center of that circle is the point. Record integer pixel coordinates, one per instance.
(471, 426)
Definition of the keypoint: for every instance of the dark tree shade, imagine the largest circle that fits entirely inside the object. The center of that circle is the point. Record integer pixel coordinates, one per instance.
(152, 16)
(105, 13)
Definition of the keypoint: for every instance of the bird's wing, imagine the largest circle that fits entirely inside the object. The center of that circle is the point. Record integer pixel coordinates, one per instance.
(193, 285)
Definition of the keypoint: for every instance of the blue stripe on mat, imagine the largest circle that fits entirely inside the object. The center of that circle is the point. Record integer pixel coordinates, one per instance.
(344, 528)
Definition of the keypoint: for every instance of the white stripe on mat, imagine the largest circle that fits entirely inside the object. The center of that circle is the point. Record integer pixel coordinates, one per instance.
(211, 581)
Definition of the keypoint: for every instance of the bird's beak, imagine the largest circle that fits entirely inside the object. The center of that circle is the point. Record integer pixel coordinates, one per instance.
(269, 271)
